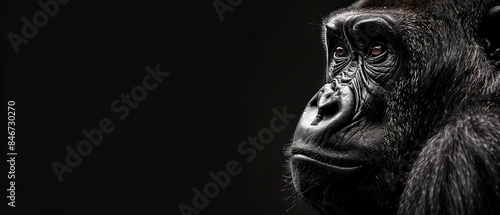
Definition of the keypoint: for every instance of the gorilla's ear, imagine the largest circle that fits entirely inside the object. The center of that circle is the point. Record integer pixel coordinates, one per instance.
(489, 35)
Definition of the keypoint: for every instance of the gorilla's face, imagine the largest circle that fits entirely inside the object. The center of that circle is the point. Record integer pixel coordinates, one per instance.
(340, 144)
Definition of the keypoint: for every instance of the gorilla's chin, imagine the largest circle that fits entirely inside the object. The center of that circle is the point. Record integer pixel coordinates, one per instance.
(338, 179)
(323, 188)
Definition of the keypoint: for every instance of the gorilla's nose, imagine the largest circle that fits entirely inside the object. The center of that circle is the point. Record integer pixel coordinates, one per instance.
(335, 107)
(327, 102)
(327, 112)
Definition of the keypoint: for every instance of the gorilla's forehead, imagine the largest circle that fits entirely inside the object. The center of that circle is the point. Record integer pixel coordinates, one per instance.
(349, 17)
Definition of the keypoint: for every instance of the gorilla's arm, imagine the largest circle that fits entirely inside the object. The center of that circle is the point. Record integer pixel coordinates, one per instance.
(458, 170)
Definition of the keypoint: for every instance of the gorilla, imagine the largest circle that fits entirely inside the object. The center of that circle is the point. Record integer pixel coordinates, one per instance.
(408, 118)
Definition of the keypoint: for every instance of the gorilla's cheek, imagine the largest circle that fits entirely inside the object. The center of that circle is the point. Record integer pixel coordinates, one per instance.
(368, 138)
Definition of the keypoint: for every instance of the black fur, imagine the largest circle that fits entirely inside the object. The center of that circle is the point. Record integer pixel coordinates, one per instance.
(458, 170)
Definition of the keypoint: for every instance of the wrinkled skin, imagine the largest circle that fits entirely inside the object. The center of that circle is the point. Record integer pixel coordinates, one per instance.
(408, 119)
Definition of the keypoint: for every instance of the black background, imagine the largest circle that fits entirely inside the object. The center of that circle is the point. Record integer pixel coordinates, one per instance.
(225, 79)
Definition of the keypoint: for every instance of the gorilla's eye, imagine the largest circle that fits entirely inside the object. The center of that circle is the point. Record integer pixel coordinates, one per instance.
(377, 50)
(340, 52)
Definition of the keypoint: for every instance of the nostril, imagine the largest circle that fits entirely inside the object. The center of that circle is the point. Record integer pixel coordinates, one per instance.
(318, 119)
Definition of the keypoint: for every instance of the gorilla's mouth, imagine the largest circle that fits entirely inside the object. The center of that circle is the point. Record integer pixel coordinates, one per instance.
(341, 165)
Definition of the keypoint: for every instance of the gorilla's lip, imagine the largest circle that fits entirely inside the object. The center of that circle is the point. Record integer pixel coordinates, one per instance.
(341, 165)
